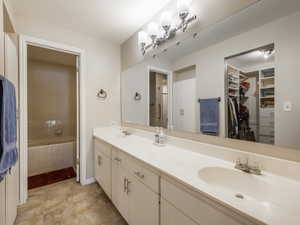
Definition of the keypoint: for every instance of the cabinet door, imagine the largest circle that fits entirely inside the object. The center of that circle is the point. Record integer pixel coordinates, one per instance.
(143, 204)
(119, 194)
(2, 202)
(103, 171)
(172, 216)
(12, 196)
(96, 166)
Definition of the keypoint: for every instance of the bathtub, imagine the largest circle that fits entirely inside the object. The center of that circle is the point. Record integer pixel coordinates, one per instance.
(51, 154)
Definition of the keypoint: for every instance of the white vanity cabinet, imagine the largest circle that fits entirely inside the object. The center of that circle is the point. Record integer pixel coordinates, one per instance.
(191, 206)
(119, 184)
(144, 195)
(131, 190)
(133, 187)
(172, 216)
(143, 203)
(102, 164)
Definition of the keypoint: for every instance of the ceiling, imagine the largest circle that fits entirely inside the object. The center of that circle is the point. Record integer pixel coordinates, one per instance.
(51, 56)
(114, 20)
(250, 59)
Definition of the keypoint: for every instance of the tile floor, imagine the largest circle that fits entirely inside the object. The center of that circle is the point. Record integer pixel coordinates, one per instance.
(68, 203)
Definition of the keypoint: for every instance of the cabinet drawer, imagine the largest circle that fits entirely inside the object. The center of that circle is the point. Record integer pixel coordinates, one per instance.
(267, 112)
(265, 121)
(144, 175)
(119, 157)
(140, 171)
(266, 130)
(266, 139)
(103, 147)
(203, 211)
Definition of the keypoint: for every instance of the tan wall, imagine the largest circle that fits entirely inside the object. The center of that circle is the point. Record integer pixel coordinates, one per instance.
(102, 70)
(51, 96)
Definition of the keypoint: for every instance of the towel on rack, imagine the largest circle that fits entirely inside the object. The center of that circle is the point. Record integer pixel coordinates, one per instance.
(8, 127)
(209, 116)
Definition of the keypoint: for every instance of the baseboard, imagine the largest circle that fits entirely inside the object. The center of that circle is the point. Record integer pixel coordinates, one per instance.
(90, 180)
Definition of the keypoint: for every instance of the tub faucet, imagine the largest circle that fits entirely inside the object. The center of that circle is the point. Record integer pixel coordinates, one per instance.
(245, 167)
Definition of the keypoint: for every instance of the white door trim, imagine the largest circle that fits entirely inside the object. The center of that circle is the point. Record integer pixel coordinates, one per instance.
(170, 93)
(24, 41)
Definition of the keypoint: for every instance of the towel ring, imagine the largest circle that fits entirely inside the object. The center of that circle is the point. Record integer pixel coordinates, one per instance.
(137, 96)
(102, 94)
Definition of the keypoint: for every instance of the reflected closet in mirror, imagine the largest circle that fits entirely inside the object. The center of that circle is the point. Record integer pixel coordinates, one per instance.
(250, 95)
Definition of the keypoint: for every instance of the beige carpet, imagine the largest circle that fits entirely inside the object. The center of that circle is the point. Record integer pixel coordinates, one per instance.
(68, 203)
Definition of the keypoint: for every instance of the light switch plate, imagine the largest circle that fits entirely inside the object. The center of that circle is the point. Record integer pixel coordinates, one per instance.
(287, 106)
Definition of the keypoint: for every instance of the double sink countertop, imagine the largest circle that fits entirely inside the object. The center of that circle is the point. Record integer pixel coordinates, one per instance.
(267, 199)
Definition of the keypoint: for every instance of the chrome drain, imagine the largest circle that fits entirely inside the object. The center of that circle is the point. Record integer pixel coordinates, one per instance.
(240, 196)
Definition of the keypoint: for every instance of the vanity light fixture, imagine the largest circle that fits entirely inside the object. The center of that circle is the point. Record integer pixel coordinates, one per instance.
(157, 34)
(267, 53)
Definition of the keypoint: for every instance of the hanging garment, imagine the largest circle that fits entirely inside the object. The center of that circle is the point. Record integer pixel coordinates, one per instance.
(233, 113)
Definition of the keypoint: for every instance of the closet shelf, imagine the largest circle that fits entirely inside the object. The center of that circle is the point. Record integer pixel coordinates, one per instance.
(268, 78)
(268, 87)
(267, 97)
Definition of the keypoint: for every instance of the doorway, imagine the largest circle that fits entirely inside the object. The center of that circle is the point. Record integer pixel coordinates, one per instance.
(158, 99)
(52, 126)
(52, 113)
(250, 90)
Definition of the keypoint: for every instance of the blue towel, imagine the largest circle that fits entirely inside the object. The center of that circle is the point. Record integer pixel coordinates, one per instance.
(209, 116)
(8, 127)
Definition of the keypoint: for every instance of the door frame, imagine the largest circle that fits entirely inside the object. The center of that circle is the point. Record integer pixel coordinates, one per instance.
(170, 93)
(24, 42)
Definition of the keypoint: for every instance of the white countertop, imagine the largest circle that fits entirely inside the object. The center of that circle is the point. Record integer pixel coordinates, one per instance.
(276, 202)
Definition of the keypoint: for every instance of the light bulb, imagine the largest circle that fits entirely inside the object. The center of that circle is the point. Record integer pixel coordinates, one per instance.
(153, 30)
(183, 5)
(166, 19)
(266, 55)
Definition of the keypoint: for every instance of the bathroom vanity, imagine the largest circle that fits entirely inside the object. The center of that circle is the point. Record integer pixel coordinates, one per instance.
(189, 183)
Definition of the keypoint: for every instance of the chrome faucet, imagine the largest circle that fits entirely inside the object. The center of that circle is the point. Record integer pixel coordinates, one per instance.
(160, 137)
(125, 132)
(247, 168)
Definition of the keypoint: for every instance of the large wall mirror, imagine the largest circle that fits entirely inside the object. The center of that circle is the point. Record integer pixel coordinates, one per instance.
(239, 79)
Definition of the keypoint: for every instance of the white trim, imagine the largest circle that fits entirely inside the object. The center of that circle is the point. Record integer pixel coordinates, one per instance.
(170, 93)
(24, 41)
(90, 180)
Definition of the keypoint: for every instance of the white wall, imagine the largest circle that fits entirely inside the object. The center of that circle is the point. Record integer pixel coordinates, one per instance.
(285, 34)
(136, 79)
(102, 71)
(184, 99)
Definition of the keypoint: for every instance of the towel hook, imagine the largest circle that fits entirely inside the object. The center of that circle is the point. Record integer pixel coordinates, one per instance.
(137, 96)
(102, 94)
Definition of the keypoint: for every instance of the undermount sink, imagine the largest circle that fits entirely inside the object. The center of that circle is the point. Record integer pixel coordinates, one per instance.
(240, 184)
